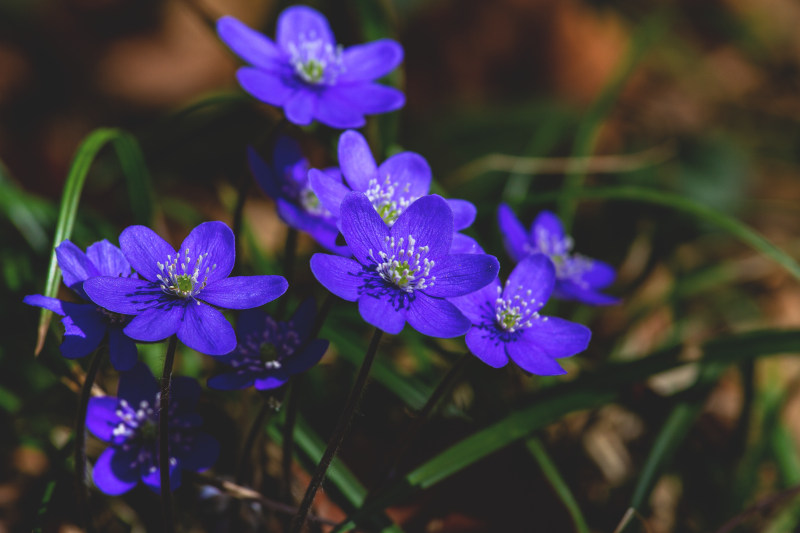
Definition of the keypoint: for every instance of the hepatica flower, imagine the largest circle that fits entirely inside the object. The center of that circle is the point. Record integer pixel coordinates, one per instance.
(404, 272)
(390, 187)
(577, 277)
(306, 73)
(86, 324)
(286, 182)
(129, 423)
(181, 289)
(506, 321)
(270, 352)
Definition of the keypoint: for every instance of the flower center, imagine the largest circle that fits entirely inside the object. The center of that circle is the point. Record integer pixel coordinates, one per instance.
(310, 202)
(387, 199)
(182, 278)
(406, 268)
(270, 355)
(315, 61)
(515, 313)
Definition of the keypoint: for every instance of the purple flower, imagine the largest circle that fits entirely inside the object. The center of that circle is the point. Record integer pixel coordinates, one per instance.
(129, 424)
(87, 324)
(180, 290)
(506, 321)
(577, 277)
(309, 75)
(286, 181)
(404, 272)
(270, 352)
(391, 187)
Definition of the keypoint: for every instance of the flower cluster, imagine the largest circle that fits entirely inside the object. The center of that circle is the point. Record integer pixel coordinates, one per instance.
(306, 73)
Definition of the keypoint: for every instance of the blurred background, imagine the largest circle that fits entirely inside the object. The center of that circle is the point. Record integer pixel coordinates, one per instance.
(694, 103)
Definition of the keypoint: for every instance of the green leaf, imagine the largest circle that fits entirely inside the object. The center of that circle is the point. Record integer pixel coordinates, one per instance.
(135, 171)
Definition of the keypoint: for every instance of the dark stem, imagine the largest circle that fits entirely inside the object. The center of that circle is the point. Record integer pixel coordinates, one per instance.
(258, 423)
(80, 437)
(238, 212)
(163, 435)
(338, 433)
(289, 256)
(288, 437)
(444, 387)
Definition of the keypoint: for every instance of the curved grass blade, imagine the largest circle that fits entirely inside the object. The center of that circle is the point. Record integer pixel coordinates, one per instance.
(550, 471)
(134, 169)
(586, 392)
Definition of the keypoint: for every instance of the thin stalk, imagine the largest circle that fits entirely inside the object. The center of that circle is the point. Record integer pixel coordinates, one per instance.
(289, 256)
(238, 211)
(288, 437)
(163, 435)
(444, 386)
(338, 433)
(258, 423)
(80, 437)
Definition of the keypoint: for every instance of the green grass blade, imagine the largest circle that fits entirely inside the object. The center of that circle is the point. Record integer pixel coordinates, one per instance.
(135, 171)
(550, 471)
(586, 392)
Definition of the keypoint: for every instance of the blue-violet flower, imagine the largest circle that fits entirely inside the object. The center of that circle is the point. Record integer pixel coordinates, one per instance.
(391, 187)
(129, 423)
(86, 324)
(404, 272)
(285, 180)
(311, 77)
(577, 277)
(269, 351)
(506, 321)
(180, 290)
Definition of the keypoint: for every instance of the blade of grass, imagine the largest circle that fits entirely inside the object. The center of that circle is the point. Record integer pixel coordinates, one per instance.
(588, 391)
(550, 471)
(135, 171)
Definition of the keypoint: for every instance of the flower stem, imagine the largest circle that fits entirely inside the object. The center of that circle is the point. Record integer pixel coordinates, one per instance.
(258, 423)
(80, 437)
(289, 255)
(163, 435)
(444, 386)
(288, 437)
(338, 433)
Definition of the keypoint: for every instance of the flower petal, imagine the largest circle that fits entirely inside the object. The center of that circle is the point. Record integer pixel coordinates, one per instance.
(84, 330)
(102, 418)
(430, 221)
(513, 232)
(479, 306)
(206, 330)
(302, 22)
(532, 280)
(596, 274)
(202, 454)
(266, 178)
(464, 244)
(384, 311)
(329, 191)
(436, 317)
(461, 274)
(356, 161)
(463, 213)
(138, 385)
(300, 107)
(74, 263)
(569, 290)
(128, 296)
(336, 110)
(121, 350)
(302, 321)
(112, 472)
(231, 381)
(215, 239)
(410, 171)
(250, 45)
(158, 323)
(364, 230)
(340, 275)
(244, 292)
(152, 477)
(108, 259)
(557, 337)
(531, 358)
(269, 87)
(272, 381)
(310, 356)
(370, 61)
(547, 234)
(487, 347)
(53, 304)
(144, 249)
(366, 98)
